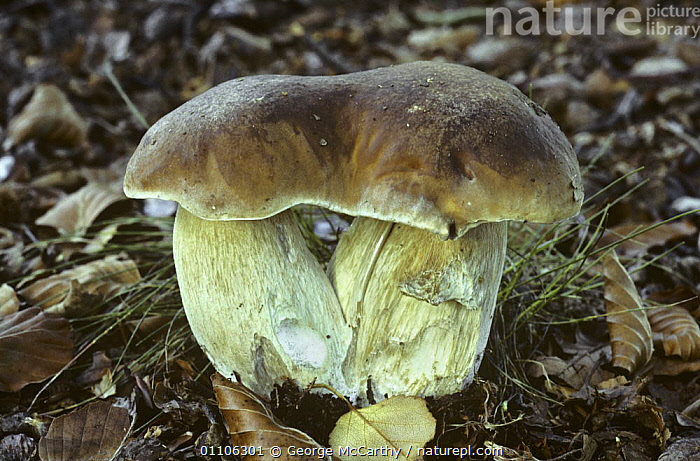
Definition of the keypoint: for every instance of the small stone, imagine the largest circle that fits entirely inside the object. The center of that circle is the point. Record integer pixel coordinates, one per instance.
(449, 16)
(658, 66)
(555, 91)
(17, 447)
(443, 39)
(684, 204)
(683, 449)
(599, 85)
(330, 227)
(511, 54)
(158, 25)
(158, 208)
(579, 115)
(116, 43)
(393, 23)
(7, 163)
(248, 43)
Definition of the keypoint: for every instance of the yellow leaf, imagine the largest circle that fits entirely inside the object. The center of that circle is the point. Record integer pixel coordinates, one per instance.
(106, 387)
(399, 423)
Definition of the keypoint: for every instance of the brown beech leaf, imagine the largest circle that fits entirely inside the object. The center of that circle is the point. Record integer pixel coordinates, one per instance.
(48, 116)
(150, 324)
(250, 423)
(641, 243)
(17, 447)
(99, 375)
(91, 433)
(82, 286)
(681, 295)
(501, 453)
(20, 203)
(399, 425)
(574, 372)
(682, 448)
(33, 346)
(78, 210)
(630, 332)
(676, 330)
(674, 367)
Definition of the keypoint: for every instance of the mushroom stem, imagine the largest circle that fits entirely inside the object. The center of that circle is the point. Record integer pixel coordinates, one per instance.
(258, 302)
(421, 307)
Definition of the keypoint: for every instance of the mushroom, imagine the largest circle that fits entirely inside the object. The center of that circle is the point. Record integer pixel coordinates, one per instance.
(458, 154)
(432, 158)
(257, 301)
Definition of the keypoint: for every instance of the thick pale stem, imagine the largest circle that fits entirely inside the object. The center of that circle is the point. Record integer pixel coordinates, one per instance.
(258, 302)
(420, 307)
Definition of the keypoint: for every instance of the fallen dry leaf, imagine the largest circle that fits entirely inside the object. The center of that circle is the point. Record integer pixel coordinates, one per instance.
(501, 453)
(7, 238)
(613, 383)
(682, 295)
(91, 433)
(106, 387)
(548, 368)
(574, 372)
(682, 448)
(48, 116)
(690, 416)
(21, 203)
(630, 332)
(250, 423)
(9, 304)
(398, 423)
(64, 180)
(78, 210)
(676, 330)
(99, 367)
(149, 324)
(83, 286)
(17, 447)
(641, 243)
(99, 375)
(647, 414)
(34, 345)
(674, 367)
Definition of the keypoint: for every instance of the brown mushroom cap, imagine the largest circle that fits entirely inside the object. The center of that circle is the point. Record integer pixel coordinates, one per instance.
(432, 145)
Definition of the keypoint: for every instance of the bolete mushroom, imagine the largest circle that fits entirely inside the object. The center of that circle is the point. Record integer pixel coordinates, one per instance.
(457, 154)
(420, 153)
(257, 301)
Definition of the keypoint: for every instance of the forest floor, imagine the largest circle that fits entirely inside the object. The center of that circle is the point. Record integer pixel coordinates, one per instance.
(91, 323)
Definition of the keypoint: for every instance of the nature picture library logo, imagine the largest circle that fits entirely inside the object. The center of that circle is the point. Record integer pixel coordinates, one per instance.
(584, 20)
